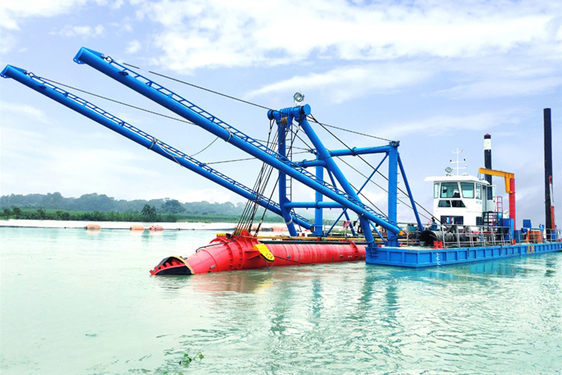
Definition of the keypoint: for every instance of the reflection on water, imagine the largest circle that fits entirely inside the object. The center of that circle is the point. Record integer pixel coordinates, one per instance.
(252, 281)
(354, 317)
(90, 306)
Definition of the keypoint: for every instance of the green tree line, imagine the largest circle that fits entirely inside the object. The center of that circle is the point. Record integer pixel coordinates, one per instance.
(148, 215)
(99, 207)
(103, 203)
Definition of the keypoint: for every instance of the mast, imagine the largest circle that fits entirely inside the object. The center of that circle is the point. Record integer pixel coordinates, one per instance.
(488, 155)
(549, 199)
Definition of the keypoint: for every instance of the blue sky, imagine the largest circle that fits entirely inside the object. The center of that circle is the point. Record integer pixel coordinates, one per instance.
(435, 75)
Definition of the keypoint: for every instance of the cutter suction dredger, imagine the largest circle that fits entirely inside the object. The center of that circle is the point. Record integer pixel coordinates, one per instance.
(241, 249)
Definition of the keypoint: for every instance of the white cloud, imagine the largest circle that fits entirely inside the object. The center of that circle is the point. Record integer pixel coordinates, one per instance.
(13, 11)
(205, 33)
(7, 42)
(494, 49)
(442, 124)
(133, 47)
(124, 25)
(116, 4)
(490, 42)
(83, 31)
(349, 82)
(23, 110)
(502, 88)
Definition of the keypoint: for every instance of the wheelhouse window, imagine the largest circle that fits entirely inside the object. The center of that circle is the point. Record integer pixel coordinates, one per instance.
(488, 192)
(458, 204)
(449, 190)
(467, 189)
(444, 203)
(436, 190)
(478, 191)
(454, 203)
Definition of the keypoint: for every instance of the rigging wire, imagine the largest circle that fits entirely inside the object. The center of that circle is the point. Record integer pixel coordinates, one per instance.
(119, 102)
(359, 172)
(362, 195)
(366, 162)
(243, 159)
(309, 148)
(190, 122)
(348, 130)
(209, 90)
(230, 161)
(368, 200)
(134, 107)
(138, 108)
(379, 186)
(290, 149)
(201, 88)
(290, 152)
(265, 209)
(246, 101)
(247, 217)
(209, 145)
(325, 126)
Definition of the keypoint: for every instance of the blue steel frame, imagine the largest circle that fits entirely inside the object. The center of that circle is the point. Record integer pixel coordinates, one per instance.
(324, 160)
(205, 120)
(346, 199)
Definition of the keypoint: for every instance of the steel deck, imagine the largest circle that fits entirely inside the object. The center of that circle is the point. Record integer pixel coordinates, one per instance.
(422, 258)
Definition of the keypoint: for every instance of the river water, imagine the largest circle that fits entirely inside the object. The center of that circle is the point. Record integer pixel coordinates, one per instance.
(78, 302)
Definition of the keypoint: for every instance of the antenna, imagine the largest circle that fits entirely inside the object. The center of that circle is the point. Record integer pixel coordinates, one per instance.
(458, 161)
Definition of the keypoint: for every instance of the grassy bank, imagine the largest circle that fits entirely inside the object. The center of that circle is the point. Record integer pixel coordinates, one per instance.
(41, 214)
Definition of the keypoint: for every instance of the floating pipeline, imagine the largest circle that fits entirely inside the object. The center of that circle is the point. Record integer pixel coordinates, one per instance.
(240, 252)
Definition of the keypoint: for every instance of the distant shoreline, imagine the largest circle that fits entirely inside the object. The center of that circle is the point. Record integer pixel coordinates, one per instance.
(16, 223)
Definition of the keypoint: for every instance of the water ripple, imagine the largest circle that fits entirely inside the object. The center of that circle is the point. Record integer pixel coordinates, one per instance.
(501, 317)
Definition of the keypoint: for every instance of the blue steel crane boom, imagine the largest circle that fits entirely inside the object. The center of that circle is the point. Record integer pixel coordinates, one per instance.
(144, 139)
(345, 198)
(184, 108)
